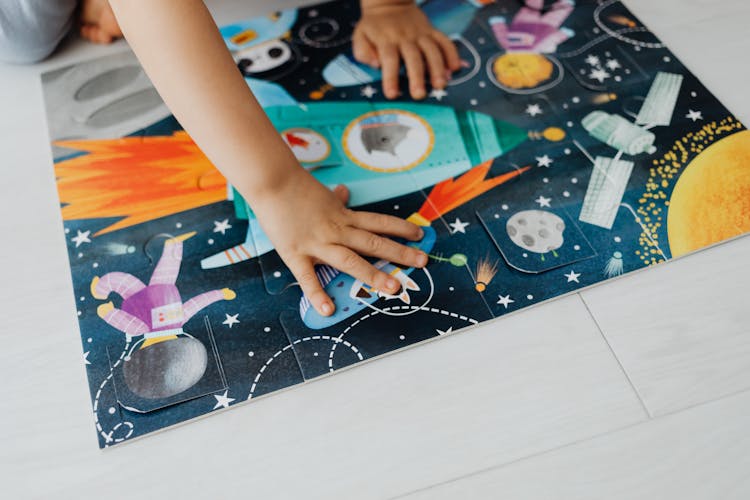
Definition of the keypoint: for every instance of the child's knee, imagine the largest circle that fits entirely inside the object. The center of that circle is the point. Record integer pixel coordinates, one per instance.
(30, 30)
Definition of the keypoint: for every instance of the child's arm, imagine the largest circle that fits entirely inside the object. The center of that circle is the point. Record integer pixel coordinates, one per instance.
(183, 53)
(391, 30)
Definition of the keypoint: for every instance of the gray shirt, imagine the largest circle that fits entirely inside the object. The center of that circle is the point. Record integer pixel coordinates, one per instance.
(31, 29)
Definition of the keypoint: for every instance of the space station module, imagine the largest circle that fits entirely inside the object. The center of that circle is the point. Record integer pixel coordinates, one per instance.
(619, 133)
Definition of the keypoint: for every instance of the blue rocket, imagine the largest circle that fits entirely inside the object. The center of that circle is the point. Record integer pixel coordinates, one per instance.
(378, 150)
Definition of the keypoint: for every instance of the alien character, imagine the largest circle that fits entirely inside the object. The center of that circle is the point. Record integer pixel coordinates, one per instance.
(537, 231)
(383, 133)
(168, 361)
(534, 29)
(264, 55)
(266, 60)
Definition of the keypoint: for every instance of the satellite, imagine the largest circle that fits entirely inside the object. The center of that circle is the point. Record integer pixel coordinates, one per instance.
(610, 176)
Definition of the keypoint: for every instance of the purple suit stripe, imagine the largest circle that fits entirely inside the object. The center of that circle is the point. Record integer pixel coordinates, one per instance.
(169, 264)
(198, 302)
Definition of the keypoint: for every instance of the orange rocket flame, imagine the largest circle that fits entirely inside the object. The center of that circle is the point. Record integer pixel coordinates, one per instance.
(136, 179)
(452, 193)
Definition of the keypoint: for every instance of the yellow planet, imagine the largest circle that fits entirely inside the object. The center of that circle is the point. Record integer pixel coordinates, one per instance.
(711, 200)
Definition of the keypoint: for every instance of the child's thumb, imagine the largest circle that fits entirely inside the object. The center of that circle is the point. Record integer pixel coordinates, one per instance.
(342, 193)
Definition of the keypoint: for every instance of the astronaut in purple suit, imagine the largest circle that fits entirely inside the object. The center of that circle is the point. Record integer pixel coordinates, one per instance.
(168, 361)
(534, 28)
(155, 310)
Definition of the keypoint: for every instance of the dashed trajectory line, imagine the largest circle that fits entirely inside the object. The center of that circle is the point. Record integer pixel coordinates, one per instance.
(278, 353)
(108, 435)
(394, 308)
(615, 34)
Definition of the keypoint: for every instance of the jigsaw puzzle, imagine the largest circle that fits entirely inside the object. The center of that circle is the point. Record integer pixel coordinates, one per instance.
(572, 147)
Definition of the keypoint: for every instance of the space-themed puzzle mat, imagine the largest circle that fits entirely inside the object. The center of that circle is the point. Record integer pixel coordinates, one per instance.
(572, 147)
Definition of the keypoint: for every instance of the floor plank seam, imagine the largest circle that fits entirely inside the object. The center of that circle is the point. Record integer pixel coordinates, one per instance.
(614, 355)
(570, 444)
(704, 402)
(523, 458)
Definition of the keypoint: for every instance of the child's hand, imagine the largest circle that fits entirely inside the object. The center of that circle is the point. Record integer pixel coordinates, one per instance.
(391, 30)
(309, 225)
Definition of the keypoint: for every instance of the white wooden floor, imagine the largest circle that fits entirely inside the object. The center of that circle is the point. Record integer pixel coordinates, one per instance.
(636, 389)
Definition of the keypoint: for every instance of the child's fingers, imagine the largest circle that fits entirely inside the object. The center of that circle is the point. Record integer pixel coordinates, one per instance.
(304, 271)
(373, 245)
(86, 31)
(389, 60)
(414, 63)
(349, 262)
(363, 50)
(450, 53)
(387, 224)
(435, 62)
(93, 33)
(103, 37)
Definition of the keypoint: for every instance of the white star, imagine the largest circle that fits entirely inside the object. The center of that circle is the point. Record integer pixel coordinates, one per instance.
(592, 60)
(613, 64)
(505, 300)
(438, 94)
(543, 202)
(81, 238)
(369, 91)
(573, 276)
(694, 115)
(221, 227)
(599, 74)
(533, 110)
(222, 400)
(544, 161)
(458, 226)
(445, 332)
(86, 358)
(231, 320)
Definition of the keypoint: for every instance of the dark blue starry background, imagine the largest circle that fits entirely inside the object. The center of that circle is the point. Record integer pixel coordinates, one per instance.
(270, 348)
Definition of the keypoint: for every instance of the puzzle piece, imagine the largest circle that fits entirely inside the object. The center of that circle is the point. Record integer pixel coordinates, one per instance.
(535, 240)
(153, 376)
(602, 65)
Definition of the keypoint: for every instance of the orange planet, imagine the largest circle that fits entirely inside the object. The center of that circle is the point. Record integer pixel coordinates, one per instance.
(711, 200)
(522, 70)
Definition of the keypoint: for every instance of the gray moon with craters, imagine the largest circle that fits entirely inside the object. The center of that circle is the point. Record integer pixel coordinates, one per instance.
(536, 231)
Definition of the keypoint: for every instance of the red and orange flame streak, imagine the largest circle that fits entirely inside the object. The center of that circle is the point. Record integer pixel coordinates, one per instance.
(136, 178)
(452, 193)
